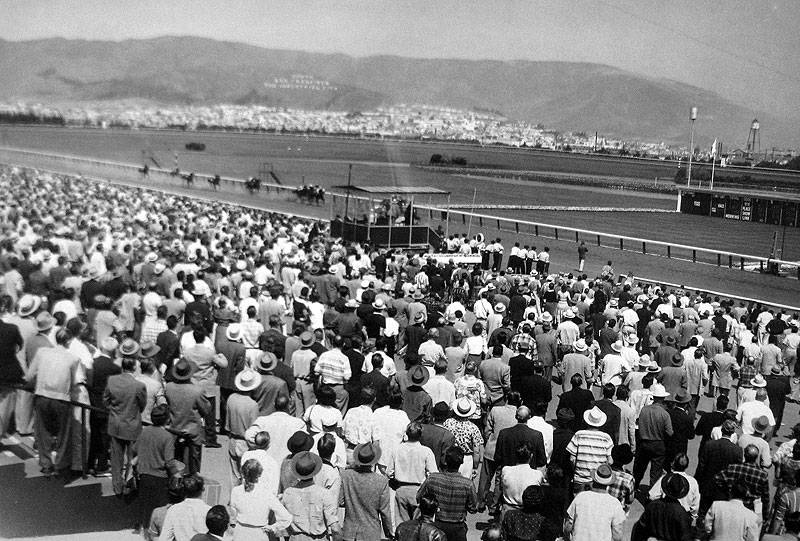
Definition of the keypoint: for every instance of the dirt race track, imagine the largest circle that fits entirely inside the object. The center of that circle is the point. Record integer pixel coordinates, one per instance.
(323, 161)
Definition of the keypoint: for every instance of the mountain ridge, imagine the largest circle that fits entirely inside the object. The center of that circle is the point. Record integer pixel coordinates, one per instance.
(567, 96)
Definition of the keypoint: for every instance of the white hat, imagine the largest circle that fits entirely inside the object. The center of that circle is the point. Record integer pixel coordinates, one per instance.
(758, 381)
(595, 417)
(617, 346)
(580, 345)
(234, 332)
(151, 257)
(658, 391)
(463, 407)
(247, 380)
(569, 314)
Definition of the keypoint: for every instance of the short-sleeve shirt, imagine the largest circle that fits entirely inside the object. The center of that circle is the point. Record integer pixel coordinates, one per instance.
(466, 434)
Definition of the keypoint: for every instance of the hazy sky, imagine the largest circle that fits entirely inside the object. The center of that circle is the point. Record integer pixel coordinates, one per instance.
(747, 50)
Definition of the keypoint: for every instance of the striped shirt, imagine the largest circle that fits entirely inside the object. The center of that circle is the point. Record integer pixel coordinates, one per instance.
(333, 367)
(590, 448)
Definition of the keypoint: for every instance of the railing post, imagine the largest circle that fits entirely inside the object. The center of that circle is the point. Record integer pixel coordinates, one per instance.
(730, 261)
(719, 259)
(694, 256)
(598, 240)
(621, 244)
(84, 458)
(536, 230)
(669, 251)
(555, 229)
(644, 248)
(576, 237)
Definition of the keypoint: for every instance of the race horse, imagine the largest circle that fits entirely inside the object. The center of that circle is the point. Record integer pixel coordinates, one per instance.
(145, 171)
(253, 184)
(311, 194)
(189, 178)
(214, 181)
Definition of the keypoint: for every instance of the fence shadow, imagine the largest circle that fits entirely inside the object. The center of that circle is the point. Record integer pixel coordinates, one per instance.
(38, 507)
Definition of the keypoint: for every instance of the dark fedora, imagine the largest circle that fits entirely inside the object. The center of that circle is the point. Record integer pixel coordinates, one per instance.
(675, 485)
(182, 370)
(299, 441)
(366, 454)
(306, 465)
(418, 375)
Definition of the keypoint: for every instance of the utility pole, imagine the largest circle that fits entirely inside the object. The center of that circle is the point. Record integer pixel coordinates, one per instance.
(692, 117)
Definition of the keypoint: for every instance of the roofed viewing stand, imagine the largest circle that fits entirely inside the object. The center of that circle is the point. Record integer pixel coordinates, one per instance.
(385, 216)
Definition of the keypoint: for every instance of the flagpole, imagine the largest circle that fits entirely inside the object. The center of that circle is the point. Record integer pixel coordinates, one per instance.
(713, 163)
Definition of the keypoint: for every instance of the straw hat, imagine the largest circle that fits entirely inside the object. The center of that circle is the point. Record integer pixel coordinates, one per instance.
(658, 391)
(28, 304)
(44, 322)
(463, 407)
(379, 304)
(569, 314)
(267, 361)
(617, 346)
(580, 345)
(499, 308)
(149, 349)
(604, 475)
(306, 339)
(233, 332)
(129, 347)
(758, 381)
(182, 370)
(595, 417)
(247, 380)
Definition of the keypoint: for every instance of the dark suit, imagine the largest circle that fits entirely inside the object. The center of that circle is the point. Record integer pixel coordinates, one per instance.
(170, 345)
(99, 440)
(200, 310)
(777, 389)
(509, 440)
(266, 393)
(547, 349)
(438, 439)
(560, 456)
(226, 377)
(125, 397)
(532, 387)
(613, 416)
(578, 400)
(706, 424)
(682, 432)
(380, 383)
(187, 407)
(208, 536)
(716, 456)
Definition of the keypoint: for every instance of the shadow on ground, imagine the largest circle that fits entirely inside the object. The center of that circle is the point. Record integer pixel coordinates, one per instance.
(38, 507)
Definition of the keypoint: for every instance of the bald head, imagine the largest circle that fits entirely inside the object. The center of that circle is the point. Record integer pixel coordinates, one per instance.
(523, 414)
(751, 454)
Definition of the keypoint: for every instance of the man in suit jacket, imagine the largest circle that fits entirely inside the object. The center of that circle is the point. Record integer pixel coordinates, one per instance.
(715, 457)
(547, 347)
(435, 436)
(170, 344)
(125, 397)
(612, 411)
(229, 344)
(187, 407)
(99, 442)
(377, 381)
(510, 439)
(206, 361)
(271, 385)
(578, 400)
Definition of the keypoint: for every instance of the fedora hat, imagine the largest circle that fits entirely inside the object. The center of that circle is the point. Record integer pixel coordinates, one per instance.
(604, 475)
(632, 339)
(675, 485)
(677, 359)
(681, 397)
(670, 340)
(440, 409)
(44, 322)
(109, 345)
(595, 417)
(299, 441)
(129, 347)
(776, 370)
(580, 345)
(351, 304)
(182, 370)
(151, 257)
(613, 303)
(159, 268)
(366, 454)
(306, 465)
(247, 380)
(758, 381)
(267, 361)
(547, 317)
(149, 349)
(463, 407)
(378, 304)
(569, 314)
(417, 296)
(28, 304)
(499, 308)
(761, 424)
(658, 391)
(617, 346)
(418, 375)
(306, 339)
(233, 332)
(419, 317)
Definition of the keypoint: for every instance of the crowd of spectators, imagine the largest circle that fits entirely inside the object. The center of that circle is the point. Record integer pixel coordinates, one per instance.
(365, 393)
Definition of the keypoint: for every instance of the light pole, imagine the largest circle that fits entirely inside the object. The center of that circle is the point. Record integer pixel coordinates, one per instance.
(692, 117)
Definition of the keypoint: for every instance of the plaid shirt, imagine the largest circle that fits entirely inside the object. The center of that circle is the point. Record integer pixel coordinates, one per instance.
(747, 373)
(151, 328)
(455, 494)
(623, 488)
(251, 331)
(756, 480)
(525, 338)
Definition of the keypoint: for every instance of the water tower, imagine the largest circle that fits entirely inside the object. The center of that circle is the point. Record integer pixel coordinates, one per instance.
(753, 147)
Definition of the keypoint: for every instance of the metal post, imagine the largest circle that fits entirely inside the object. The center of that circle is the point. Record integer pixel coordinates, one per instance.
(713, 163)
(411, 220)
(84, 459)
(692, 117)
(447, 223)
(369, 221)
(472, 210)
(347, 196)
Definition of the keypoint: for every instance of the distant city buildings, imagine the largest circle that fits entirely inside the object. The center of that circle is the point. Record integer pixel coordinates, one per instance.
(399, 121)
